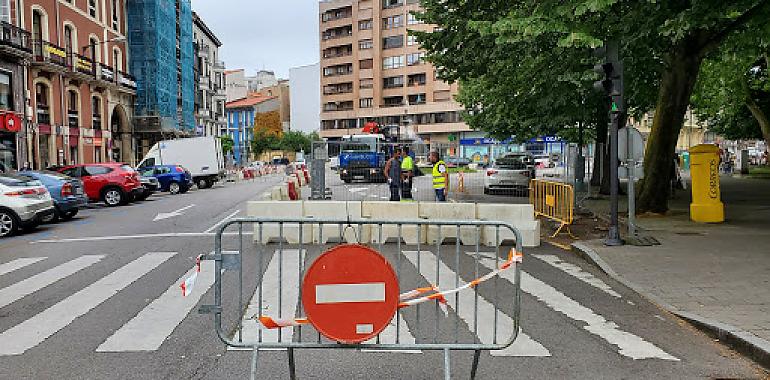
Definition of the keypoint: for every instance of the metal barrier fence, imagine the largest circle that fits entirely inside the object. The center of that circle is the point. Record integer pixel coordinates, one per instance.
(553, 200)
(273, 280)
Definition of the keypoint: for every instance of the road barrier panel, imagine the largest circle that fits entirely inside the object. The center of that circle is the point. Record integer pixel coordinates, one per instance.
(395, 210)
(554, 201)
(290, 234)
(343, 286)
(323, 234)
(448, 211)
(521, 216)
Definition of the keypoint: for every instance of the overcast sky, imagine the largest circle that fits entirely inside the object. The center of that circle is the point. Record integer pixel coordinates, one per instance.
(263, 34)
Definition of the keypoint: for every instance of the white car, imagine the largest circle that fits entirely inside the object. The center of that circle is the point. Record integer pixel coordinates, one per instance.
(24, 203)
(510, 172)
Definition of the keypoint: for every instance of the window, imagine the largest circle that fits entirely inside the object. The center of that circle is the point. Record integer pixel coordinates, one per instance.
(416, 79)
(94, 43)
(72, 109)
(366, 64)
(411, 19)
(415, 58)
(96, 170)
(366, 83)
(392, 22)
(392, 3)
(41, 104)
(411, 40)
(417, 99)
(96, 111)
(5, 10)
(441, 96)
(393, 82)
(68, 42)
(393, 101)
(365, 103)
(92, 10)
(365, 44)
(115, 20)
(393, 62)
(393, 42)
(365, 24)
(6, 91)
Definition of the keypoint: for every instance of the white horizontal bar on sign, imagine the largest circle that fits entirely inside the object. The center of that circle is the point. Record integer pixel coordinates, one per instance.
(350, 293)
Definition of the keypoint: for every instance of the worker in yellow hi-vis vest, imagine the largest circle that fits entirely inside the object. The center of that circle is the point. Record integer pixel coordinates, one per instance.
(440, 177)
(407, 173)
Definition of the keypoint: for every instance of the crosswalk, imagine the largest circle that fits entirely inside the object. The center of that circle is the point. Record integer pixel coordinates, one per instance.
(155, 323)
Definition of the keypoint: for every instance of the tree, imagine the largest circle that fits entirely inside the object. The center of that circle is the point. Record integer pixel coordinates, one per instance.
(733, 91)
(264, 142)
(268, 123)
(533, 42)
(296, 142)
(227, 144)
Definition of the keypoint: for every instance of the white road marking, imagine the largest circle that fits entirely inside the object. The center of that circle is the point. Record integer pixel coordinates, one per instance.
(167, 215)
(39, 281)
(522, 346)
(35, 330)
(221, 222)
(149, 329)
(289, 281)
(629, 345)
(139, 236)
(578, 273)
(18, 264)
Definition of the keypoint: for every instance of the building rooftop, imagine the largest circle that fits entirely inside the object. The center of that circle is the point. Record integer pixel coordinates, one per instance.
(251, 100)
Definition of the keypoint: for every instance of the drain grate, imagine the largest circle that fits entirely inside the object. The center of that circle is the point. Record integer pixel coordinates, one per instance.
(690, 233)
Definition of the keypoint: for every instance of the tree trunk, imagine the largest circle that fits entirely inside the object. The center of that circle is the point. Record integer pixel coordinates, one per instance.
(676, 87)
(762, 118)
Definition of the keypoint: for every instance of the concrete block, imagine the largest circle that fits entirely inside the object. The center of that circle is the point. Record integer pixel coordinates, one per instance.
(276, 194)
(271, 232)
(337, 210)
(520, 216)
(391, 211)
(449, 211)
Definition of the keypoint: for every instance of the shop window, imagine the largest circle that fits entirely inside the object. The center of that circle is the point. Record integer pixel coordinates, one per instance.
(6, 91)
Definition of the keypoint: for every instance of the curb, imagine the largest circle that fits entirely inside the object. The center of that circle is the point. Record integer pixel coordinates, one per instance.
(748, 344)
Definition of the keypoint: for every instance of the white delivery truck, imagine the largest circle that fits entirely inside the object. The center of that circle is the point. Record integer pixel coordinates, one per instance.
(202, 156)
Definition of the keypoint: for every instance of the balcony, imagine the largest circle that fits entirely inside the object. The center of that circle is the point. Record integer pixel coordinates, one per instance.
(96, 121)
(219, 66)
(43, 114)
(82, 66)
(15, 41)
(127, 82)
(106, 73)
(49, 56)
(73, 120)
(337, 14)
(203, 51)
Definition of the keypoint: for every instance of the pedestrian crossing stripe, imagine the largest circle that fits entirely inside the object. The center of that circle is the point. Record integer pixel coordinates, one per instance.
(579, 273)
(18, 264)
(151, 327)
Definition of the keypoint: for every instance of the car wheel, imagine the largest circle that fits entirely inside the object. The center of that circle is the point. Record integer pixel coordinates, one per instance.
(69, 215)
(8, 223)
(113, 197)
(174, 188)
(201, 183)
(53, 218)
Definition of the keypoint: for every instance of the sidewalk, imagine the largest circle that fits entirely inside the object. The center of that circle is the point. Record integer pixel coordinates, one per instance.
(717, 276)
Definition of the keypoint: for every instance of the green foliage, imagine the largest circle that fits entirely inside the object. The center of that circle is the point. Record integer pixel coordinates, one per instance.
(289, 141)
(227, 144)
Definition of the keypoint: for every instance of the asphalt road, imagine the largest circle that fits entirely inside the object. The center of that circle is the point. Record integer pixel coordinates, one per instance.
(99, 298)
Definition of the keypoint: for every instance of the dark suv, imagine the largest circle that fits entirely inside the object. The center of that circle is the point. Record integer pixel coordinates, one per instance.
(113, 183)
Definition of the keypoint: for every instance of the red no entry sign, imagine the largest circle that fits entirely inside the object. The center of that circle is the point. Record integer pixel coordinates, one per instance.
(350, 293)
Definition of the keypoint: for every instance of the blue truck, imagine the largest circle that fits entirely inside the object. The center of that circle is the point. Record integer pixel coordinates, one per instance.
(360, 159)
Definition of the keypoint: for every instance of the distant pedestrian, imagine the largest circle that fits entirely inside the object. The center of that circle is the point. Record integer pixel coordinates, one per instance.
(440, 177)
(393, 175)
(407, 173)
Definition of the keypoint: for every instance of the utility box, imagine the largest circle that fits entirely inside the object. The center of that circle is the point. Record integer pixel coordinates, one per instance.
(742, 161)
(706, 206)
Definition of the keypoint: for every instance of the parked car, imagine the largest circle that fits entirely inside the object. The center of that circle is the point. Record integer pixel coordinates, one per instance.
(149, 186)
(68, 193)
(172, 178)
(113, 183)
(509, 172)
(24, 203)
(456, 162)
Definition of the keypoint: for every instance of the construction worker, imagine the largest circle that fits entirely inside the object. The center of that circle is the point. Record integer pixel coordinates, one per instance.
(407, 173)
(393, 175)
(440, 177)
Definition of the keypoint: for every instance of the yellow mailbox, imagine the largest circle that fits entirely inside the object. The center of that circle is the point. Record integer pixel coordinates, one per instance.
(706, 204)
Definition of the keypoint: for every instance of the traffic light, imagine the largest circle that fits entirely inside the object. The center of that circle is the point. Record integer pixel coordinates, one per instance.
(611, 71)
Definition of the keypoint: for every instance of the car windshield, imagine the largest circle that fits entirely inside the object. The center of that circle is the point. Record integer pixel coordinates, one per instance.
(54, 174)
(511, 162)
(18, 181)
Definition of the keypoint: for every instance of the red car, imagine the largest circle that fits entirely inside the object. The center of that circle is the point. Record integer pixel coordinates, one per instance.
(113, 183)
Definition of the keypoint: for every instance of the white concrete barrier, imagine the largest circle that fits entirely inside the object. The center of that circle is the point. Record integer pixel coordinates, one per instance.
(332, 232)
(389, 211)
(449, 211)
(276, 194)
(521, 216)
(272, 231)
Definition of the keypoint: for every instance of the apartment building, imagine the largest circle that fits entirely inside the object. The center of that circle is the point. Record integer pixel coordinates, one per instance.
(373, 71)
(15, 51)
(210, 95)
(80, 93)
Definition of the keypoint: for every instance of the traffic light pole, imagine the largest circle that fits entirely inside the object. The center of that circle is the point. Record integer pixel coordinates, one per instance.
(613, 235)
